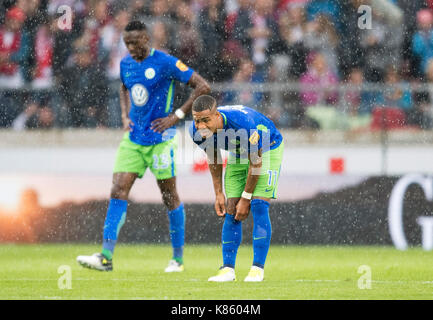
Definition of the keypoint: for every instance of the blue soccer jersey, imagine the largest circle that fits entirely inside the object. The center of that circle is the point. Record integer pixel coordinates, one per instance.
(151, 89)
(245, 130)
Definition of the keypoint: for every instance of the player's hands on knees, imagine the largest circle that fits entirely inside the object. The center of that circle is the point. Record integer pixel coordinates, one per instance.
(161, 124)
(127, 123)
(220, 205)
(242, 209)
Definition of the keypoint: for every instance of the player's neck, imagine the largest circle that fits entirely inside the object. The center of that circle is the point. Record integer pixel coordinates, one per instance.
(145, 55)
(220, 121)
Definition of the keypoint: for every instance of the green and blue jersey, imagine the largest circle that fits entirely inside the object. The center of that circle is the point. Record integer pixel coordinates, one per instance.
(151, 89)
(245, 130)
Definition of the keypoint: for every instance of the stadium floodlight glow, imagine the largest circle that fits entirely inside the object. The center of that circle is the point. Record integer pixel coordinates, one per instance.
(10, 190)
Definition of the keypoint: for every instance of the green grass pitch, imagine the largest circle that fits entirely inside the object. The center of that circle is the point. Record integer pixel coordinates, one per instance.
(292, 272)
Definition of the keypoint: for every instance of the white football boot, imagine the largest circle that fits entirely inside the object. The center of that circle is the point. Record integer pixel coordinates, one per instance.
(174, 266)
(256, 274)
(96, 261)
(225, 274)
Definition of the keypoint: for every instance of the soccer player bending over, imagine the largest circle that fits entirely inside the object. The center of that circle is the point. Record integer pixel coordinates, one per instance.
(255, 149)
(148, 78)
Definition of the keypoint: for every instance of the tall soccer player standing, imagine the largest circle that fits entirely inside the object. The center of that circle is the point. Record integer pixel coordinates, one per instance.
(147, 89)
(255, 149)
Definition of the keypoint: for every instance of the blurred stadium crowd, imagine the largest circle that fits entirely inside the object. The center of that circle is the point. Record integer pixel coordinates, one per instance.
(53, 77)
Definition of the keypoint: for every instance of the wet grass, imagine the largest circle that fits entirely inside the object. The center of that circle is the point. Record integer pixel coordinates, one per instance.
(293, 272)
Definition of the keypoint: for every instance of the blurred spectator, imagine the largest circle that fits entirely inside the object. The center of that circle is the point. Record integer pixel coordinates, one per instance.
(409, 9)
(214, 37)
(160, 11)
(84, 89)
(246, 74)
(353, 97)
(34, 116)
(262, 33)
(322, 36)
(43, 55)
(394, 105)
(188, 43)
(14, 49)
(111, 51)
(257, 31)
(137, 9)
(64, 37)
(317, 78)
(389, 10)
(421, 115)
(327, 7)
(232, 9)
(429, 72)
(293, 52)
(159, 37)
(396, 97)
(350, 53)
(98, 18)
(211, 25)
(360, 102)
(231, 56)
(382, 48)
(422, 43)
(78, 6)
(34, 17)
(111, 47)
(14, 52)
(283, 5)
(242, 23)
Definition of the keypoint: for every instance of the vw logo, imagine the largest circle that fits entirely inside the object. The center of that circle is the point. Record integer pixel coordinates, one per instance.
(139, 95)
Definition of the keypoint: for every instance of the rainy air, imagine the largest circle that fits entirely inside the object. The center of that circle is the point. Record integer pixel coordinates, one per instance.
(205, 155)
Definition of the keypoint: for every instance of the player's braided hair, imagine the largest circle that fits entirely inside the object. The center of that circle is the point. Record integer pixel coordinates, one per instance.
(135, 26)
(203, 102)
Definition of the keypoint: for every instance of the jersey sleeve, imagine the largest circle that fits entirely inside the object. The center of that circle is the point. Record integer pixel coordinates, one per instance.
(260, 138)
(177, 70)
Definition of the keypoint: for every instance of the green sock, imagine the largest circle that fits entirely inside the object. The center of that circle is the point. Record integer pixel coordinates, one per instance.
(107, 254)
(179, 260)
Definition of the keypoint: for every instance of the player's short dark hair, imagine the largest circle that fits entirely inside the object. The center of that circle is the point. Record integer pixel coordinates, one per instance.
(203, 103)
(135, 26)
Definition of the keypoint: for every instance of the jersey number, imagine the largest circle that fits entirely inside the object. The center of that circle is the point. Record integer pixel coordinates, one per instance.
(274, 174)
(161, 162)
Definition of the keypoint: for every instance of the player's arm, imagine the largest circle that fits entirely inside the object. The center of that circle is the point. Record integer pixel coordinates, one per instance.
(200, 86)
(254, 169)
(124, 106)
(216, 170)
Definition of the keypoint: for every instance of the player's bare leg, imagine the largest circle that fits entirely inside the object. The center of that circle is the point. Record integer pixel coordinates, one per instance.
(122, 184)
(116, 213)
(231, 205)
(176, 215)
(169, 194)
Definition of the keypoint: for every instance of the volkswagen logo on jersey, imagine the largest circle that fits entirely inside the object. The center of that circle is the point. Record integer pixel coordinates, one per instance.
(149, 73)
(139, 95)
